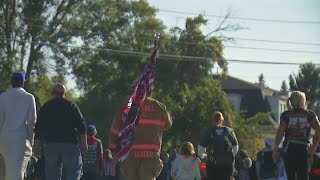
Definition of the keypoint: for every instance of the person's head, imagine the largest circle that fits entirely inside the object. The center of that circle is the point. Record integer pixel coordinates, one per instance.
(243, 154)
(59, 90)
(269, 142)
(187, 149)
(297, 100)
(108, 154)
(218, 118)
(91, 130)
(18, 79)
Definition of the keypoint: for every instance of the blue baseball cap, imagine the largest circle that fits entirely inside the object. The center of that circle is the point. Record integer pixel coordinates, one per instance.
(91, 130)
(19, 76)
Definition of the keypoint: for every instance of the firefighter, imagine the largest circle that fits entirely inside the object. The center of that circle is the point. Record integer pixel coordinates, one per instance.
(143, 162)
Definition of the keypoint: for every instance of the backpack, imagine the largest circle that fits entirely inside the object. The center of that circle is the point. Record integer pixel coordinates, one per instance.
(220, 151)
(91, 160)
(268, 168)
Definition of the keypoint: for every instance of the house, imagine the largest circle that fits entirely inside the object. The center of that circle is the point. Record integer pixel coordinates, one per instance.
(253, 98)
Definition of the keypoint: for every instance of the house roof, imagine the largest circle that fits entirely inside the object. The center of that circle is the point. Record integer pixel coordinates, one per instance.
(232, 83)
(253, 96)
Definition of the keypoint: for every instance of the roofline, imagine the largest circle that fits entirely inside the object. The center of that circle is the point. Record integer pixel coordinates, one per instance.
(253, 84)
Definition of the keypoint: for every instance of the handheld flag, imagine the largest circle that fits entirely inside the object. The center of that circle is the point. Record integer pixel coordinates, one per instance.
(129, 116)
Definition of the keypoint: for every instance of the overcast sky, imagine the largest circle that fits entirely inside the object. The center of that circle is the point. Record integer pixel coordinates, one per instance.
(292, 10)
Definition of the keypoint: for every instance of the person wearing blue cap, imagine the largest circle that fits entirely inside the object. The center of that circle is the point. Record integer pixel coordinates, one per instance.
(93, 160)
(17, 121)
(266, 168)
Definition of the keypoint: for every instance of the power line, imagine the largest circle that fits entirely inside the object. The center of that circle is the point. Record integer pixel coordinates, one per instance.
(271, 49)
(236, 38)
(274, 41)
(242, 18)
(161, 56)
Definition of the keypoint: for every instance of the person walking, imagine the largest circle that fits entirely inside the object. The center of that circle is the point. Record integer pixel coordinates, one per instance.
(61, 129)
(108, 167)
(221, 145)
(186, 165)
(143, 162)
(266, 168)
(295, 126)
(93, 160)
(17, 121)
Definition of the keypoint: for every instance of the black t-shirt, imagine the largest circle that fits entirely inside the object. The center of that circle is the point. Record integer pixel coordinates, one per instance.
(60, 120)
(298, 123)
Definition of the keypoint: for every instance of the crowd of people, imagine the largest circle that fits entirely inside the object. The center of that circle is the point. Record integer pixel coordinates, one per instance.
(57, 144)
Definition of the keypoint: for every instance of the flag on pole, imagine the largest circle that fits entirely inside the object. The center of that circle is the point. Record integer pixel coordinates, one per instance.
(128, 119)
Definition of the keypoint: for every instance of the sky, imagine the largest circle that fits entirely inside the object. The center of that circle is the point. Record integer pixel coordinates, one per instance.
(292, 10)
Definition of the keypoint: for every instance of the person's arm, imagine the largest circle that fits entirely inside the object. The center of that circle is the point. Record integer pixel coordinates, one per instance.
(31, 119)
(198, 175)
(316, 138)
(82, 128)
(204, 143)
(100, 156)
(278, 139)
(174, 168)
(38, 132)
(167, 119)
(234, 141)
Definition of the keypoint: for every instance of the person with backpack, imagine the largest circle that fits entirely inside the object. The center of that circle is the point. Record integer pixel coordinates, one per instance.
(266, 168)
(295, 126)
(219, 145)
(93, 160)
(186, 165)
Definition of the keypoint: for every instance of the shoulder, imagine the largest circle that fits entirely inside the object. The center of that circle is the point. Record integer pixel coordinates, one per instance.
(228, 129)
(99, 141)
(156, 102)
(312, 113)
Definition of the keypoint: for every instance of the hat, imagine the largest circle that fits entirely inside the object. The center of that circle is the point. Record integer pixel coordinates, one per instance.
(91, 130)
(269, 141)
(19, 76)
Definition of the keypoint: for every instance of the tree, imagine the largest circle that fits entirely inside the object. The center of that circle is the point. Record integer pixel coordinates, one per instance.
(186, 87)
(29, 28)
(284, 87)
(308, 81)
(261, 80)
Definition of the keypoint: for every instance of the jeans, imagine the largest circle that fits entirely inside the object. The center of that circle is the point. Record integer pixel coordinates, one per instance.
(62, 160)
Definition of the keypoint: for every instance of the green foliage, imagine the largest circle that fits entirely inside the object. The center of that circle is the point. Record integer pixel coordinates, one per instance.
(249, 130)
(308, 81)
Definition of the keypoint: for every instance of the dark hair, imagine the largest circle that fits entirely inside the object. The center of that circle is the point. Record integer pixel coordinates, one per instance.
(15, 82)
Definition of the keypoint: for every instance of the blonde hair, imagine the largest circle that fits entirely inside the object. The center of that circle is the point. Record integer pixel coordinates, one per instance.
(218, 117)
(187, 149)
(297, 100)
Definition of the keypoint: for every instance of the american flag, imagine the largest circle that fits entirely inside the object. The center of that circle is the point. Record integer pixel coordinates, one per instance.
(129, 118)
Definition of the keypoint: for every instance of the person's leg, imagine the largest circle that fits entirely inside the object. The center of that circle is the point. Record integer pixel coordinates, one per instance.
(129, 168)
(289, 165)
(302, 165)
(72, 161)
(150, 169)
(52, 161)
